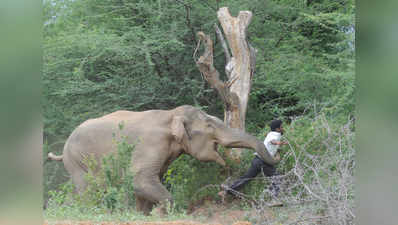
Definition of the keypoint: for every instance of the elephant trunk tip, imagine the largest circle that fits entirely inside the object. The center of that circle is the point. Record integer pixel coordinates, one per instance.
(51, 156)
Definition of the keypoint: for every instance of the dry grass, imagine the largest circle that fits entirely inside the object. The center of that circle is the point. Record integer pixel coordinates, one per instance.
(319, 186)
(319, 189)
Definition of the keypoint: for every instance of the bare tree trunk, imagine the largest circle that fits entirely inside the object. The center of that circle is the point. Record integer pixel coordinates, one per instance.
(239, 68)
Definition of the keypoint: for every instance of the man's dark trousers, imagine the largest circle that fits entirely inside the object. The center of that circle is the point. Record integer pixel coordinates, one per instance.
(257, 166)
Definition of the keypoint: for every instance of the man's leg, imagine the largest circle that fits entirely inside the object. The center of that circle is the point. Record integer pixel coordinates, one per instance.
(270, 171)
(254, 169)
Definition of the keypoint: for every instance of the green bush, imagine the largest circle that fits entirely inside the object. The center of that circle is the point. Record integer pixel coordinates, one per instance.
(318, 169)
(190, 180)
(309, 137)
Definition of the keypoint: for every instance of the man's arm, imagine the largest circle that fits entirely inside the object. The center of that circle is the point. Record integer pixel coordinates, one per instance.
(278, 142)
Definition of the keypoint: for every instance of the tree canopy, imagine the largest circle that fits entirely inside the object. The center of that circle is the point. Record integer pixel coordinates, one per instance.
(104, 55)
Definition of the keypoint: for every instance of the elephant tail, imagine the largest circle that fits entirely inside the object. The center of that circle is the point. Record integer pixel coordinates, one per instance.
(51, 156)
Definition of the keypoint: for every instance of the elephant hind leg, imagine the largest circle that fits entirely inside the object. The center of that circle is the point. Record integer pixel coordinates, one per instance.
(74, 167)
(79, 181)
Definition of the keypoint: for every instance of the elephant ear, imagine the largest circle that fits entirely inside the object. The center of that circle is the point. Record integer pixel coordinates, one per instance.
(180, 133)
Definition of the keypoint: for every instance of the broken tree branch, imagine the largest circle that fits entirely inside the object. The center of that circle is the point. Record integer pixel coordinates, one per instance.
(223, 44)
(253, 52)
(206, 67)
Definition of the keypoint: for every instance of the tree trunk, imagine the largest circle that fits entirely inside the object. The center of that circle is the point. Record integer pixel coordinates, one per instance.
(239, 68)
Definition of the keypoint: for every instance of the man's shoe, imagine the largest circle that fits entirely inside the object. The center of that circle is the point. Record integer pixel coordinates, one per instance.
(222, 194)
(224, 187)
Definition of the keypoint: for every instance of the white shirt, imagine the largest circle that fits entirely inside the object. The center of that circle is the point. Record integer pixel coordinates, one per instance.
(272, 136)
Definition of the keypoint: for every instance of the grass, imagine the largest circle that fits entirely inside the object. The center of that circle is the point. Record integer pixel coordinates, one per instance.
(74, 213)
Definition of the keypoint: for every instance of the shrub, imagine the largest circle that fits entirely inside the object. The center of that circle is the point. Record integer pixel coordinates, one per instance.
(317, 185)
(190, 180)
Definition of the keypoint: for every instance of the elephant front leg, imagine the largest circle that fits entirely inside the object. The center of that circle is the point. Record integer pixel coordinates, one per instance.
(143, 205)
(149, 192)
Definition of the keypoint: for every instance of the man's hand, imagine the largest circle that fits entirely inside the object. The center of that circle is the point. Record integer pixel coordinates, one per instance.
(279, 142)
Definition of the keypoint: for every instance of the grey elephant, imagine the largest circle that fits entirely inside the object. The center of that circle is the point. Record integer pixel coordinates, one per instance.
(160, 136)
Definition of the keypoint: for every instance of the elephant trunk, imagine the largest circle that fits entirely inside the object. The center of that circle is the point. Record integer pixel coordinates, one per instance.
(238, 139)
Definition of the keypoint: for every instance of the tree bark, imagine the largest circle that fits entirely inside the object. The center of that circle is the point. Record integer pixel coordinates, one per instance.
(239, 68)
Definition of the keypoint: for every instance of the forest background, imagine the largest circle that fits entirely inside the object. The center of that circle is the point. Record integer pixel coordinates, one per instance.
(105, 55)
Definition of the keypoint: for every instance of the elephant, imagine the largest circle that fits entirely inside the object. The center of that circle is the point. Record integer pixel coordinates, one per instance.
(159, 137)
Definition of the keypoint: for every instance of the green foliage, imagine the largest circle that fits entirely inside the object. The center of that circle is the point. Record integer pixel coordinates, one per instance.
(110, 184)
(190, 180)
(316, 136)
(322, 136)
(305, 58)
(100, 57)
(62, 196)
(54, 172)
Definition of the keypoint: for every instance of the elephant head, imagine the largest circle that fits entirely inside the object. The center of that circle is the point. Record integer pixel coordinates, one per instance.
(200, 134)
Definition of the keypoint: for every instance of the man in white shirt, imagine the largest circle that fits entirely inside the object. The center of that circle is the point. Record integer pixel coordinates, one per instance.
(272, 143)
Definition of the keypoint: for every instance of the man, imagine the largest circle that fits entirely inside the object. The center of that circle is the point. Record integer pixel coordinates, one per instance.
(272, 143)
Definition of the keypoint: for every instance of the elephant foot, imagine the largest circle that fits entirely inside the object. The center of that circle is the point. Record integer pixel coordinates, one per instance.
(160, 211)
(144, 206)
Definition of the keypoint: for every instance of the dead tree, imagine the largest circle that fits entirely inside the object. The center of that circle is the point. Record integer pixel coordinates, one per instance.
(239, 68)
